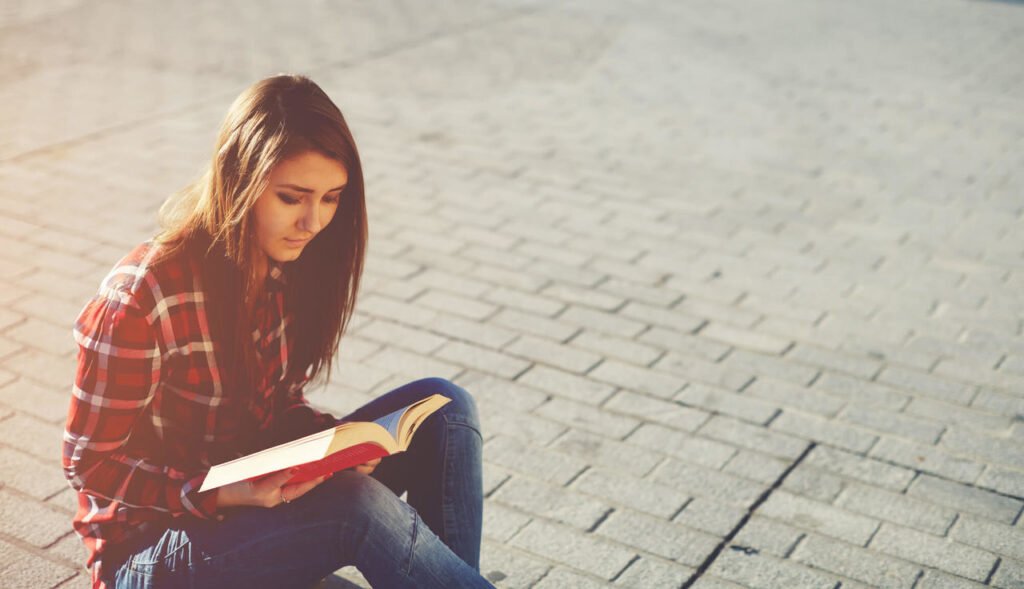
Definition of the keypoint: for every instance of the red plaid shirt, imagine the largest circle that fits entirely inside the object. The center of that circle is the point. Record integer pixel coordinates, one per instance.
(148, 414)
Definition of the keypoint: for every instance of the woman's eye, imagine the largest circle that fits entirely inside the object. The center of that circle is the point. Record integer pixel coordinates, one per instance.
(291, 200)
(332, 199)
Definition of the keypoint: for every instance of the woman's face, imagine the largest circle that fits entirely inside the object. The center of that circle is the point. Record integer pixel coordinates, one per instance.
(300, 200)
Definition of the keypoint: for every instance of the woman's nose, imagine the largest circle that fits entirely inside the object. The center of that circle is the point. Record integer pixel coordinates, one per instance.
(311, 219)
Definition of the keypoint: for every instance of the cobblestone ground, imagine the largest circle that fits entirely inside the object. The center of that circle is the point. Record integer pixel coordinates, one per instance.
(737, 285)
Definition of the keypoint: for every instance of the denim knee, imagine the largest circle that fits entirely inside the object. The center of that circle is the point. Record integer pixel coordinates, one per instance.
(462, 408)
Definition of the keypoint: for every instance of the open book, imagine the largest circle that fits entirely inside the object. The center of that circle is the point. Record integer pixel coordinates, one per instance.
(338, 448)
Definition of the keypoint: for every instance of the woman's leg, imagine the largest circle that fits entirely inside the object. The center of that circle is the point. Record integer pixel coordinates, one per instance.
(350, 519)
(442, 469)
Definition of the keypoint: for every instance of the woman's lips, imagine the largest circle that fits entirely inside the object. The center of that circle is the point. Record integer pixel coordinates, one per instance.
(297, 242)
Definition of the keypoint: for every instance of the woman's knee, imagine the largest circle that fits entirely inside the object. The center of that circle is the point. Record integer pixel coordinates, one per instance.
(462, 408)
(355, 493)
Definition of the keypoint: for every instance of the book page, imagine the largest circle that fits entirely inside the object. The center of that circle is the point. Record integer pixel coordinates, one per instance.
(416, 414)
(391, 420)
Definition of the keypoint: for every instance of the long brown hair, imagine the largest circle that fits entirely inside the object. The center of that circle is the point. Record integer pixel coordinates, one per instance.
(270, 121)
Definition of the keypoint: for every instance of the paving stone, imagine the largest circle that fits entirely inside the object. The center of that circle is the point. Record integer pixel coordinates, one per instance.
(29, 475)
(934, 579)
(966, 499)
(387, 308)
(517, 455)
(753, 437)
(999, 402)
(388, 333)
(857, 390)
(978, 373)
(601, 451)
(1010, 482)
(695, 369)
(490, 390)
(398, 361)
(719, 400)
(829, 432)
(582, 551)
(814, 483)
(533, 324)
(648, 409)
(866, 470)
(588, 418)
(455, 283)
(23, 569)
(559, 577)
(509, 567)
(482, 359)
(897, 508)
(986, 448)
(620, 348)
(37, 400)
(708, 515)
(811, 515)
(465, 307)
(28, 434)
(874, 569)
(729, 316)
(742, 338)
(995, 537)
(757, 466)
(710, 582)
(926, 458)
(525, 427)
(920, 383)
(616, 324)
(638, 379)
(566, 384)
(768, 536)
(684, 343)
(557, 355)
(933, 551)
(704, 482)
(487, 335)
(765, 572)
(652, 572)
(761, 365)
(851, 364)
(651, 315)
(637, 494)
(1009, 575)
(71, 550)
(955, 414)
(779, 393)
(550, 501)
(30, 521)
(897, 424)
(657, 536)
(493, 477)
(695, 449)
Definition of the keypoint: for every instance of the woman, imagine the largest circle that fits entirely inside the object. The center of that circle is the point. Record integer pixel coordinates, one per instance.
(196, 350)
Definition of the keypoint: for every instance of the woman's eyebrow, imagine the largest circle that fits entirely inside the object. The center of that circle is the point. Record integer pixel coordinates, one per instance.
(304, 189)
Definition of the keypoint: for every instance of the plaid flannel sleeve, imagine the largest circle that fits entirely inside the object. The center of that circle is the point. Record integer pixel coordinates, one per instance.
(118, 374)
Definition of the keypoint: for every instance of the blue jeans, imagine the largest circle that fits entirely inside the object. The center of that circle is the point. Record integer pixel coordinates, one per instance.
(349, 519)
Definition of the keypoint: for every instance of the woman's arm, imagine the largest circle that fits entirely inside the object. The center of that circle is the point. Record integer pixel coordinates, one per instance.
(120, 365)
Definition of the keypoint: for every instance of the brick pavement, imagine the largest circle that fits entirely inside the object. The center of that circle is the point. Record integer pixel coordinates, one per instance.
(737, 285)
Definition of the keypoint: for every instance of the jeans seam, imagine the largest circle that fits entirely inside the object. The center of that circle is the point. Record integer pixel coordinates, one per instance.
(412, 543)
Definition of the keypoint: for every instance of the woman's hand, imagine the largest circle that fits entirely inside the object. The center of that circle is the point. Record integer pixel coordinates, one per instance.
(367, 467)
(267, 492)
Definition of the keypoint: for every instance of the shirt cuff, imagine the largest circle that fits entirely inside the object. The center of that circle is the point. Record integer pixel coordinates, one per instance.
(201, 505)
